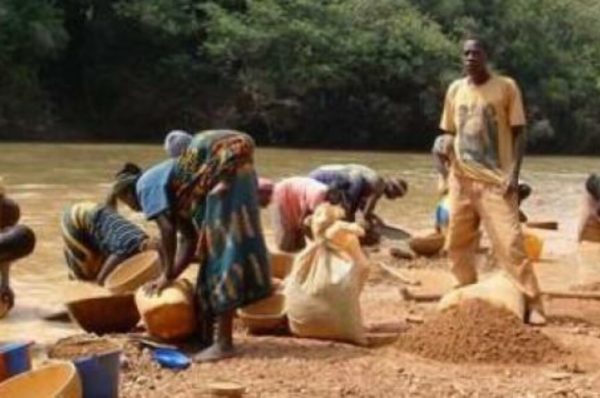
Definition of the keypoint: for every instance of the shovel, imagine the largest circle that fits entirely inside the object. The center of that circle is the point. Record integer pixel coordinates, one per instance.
(409, 295)
(393, 232)
(399, 275)
(549, 225)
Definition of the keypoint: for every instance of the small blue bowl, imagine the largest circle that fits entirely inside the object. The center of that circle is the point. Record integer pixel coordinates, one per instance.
(172, 359)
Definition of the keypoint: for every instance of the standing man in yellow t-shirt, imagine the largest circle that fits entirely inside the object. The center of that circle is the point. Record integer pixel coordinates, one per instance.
(485, 113)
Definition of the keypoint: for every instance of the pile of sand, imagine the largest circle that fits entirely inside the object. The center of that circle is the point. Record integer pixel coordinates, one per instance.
(81, 346)
(477, 331)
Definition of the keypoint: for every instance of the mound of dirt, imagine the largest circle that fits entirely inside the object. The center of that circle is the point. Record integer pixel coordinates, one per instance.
(81, 346)
(477, 331)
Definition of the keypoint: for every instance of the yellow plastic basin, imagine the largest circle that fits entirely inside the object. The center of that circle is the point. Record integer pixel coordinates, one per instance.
(533, 245)
(58, 380)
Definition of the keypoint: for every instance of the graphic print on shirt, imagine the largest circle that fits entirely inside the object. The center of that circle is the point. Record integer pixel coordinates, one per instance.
(478, 135)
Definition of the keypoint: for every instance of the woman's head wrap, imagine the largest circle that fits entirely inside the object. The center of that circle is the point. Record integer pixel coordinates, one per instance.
(176, 142)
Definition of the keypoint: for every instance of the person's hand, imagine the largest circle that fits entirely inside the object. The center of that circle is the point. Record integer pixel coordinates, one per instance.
(363, 223)
(510, 186)
(370, 230)
(376, 221)
(156, 286)
(368, 221)
(522, 216)
(7, 296)
(152, 243)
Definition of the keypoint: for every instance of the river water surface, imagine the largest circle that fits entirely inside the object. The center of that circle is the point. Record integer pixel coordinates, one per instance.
(44, 178)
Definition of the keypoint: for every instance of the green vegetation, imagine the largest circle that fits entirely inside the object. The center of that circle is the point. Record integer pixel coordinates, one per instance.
(331, 73)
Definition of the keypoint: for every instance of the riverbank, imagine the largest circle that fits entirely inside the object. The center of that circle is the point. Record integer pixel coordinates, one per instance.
(283, 366)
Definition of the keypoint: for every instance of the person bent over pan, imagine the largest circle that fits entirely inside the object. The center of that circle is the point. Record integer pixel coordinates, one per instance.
(362, 188)
(209, 195)
(97, 240)
(294, 199)
(16, 241)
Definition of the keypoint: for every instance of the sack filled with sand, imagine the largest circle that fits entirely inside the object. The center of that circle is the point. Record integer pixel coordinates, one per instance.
(498, 290)
(323, 290)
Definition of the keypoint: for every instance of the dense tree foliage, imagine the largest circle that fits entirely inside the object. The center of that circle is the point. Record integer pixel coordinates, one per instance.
(332, 73)
(31, 33)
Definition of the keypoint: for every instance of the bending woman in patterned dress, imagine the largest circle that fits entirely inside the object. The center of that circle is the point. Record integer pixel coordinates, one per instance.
(209, 195)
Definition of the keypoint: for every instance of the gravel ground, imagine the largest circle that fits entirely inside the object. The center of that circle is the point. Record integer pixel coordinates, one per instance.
(275, 366)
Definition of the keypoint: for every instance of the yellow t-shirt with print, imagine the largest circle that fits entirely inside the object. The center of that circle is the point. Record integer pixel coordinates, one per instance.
(482, 118)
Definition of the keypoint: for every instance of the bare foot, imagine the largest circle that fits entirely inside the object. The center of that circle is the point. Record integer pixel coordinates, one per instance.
(215, 352)
(536, 318)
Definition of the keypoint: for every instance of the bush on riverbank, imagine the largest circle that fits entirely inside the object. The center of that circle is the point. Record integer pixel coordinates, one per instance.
(338, 73)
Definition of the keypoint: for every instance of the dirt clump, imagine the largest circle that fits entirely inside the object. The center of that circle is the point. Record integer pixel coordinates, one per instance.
(81, 346)
(477, 331)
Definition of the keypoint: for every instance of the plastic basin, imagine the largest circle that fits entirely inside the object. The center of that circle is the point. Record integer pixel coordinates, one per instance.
(58, 380)
(533, 245)
(134, 272)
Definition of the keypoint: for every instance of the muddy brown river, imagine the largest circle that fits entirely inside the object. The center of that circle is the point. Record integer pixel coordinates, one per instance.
(44, 178)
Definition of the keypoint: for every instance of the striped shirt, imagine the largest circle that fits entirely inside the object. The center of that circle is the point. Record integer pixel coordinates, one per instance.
(114, 234)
